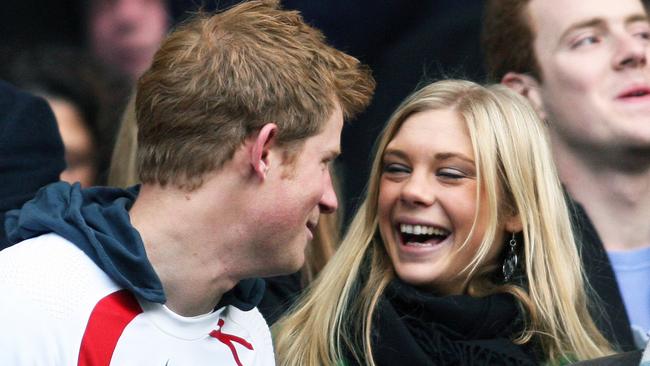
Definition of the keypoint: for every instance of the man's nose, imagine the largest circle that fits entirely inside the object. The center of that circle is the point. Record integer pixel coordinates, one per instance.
(328, 202)
(631, 52)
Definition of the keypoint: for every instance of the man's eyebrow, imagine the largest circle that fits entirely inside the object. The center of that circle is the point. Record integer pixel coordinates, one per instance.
(597, 22)
(636, 18)
(589, 23)
(333, 154)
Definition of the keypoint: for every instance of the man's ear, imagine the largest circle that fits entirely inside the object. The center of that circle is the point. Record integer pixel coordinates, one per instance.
(259, 152)
(527, 86)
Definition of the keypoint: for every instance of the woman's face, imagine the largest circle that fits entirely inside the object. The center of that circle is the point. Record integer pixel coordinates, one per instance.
(427, 202)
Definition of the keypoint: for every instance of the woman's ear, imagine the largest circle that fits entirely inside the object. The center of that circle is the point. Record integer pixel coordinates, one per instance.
(513, 223)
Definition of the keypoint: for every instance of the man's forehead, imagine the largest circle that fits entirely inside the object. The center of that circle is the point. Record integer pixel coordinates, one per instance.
(328, 141)
(330, 147)
(555, 17)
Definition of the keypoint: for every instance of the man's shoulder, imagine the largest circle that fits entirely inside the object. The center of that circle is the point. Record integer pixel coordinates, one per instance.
(35, 249)
(51, 274)
(49, 260)
(49, 288)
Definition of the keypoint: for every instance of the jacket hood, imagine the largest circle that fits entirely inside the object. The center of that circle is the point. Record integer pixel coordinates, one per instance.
(97, 221)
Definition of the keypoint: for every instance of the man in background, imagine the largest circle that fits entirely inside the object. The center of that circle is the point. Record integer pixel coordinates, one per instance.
(583, 65)
(125, 34)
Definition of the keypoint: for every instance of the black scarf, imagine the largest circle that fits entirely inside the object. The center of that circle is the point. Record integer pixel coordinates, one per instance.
(412, 327)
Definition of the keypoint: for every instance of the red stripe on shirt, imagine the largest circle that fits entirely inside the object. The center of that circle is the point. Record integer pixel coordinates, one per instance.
(107, 322)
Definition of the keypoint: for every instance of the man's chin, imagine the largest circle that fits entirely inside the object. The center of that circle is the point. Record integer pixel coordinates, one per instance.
(294, 267)
(286, 268)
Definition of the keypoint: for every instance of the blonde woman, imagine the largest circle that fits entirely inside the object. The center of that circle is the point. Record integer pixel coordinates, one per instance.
(461, 254)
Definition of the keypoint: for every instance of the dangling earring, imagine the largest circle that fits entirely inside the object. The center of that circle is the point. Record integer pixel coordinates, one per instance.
(510, 264)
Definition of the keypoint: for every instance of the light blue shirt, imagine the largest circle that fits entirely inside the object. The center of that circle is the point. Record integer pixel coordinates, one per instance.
(632, 269)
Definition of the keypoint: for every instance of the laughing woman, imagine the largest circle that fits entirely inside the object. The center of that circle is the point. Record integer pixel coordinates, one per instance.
(462, 253)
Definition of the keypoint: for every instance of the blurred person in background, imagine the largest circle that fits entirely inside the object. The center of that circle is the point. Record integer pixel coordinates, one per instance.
(80, 144)
(76, 89)
(125, 34)
(31, 151)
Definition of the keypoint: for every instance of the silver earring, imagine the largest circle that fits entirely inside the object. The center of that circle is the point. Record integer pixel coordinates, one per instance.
(510, 264)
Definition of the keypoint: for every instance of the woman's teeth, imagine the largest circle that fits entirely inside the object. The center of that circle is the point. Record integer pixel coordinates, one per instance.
(422, 235)
(421, 230)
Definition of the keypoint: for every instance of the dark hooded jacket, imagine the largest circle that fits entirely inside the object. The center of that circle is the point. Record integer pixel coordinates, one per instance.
(97, 221)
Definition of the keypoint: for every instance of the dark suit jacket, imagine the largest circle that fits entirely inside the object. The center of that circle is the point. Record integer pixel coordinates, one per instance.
(612, 320)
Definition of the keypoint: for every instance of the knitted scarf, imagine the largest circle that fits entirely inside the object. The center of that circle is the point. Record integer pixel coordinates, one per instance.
(412, 327)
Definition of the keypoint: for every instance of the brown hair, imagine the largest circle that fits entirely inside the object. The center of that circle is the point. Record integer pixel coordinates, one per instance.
(123, 174)
(219, 78)
(507, 39)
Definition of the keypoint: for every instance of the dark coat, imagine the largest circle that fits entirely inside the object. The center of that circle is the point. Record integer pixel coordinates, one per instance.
(614, 323)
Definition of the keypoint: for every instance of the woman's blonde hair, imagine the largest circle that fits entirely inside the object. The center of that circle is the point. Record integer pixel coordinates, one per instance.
(517, 175)
(122, 171)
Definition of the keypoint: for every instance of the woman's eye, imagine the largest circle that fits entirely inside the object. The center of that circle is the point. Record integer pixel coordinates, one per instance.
(449, 173)
(394, 168)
